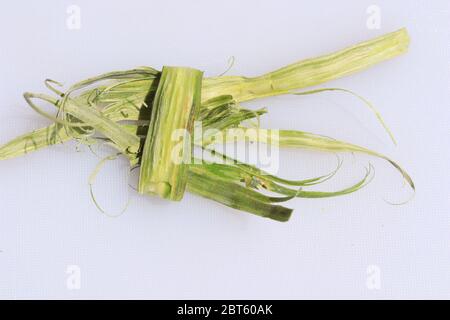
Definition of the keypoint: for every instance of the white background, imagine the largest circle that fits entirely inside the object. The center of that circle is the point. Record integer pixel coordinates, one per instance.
(356, 246)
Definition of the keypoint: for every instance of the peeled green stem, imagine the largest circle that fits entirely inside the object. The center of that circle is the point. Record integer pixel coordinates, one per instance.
(168, 144)
(233, 195)
(309, 72)
(33, 141)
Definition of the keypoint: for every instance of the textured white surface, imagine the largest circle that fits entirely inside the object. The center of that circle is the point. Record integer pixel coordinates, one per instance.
(355, 246)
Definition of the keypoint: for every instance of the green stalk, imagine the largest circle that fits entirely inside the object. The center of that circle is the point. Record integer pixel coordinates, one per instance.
(233, 195)
(309, 72)
(33, 141)
(176, 104)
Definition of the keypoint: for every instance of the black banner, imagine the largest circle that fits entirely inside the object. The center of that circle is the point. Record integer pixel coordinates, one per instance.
(222, 309)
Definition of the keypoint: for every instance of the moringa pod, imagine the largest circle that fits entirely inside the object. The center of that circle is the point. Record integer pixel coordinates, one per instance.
(175, 106)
